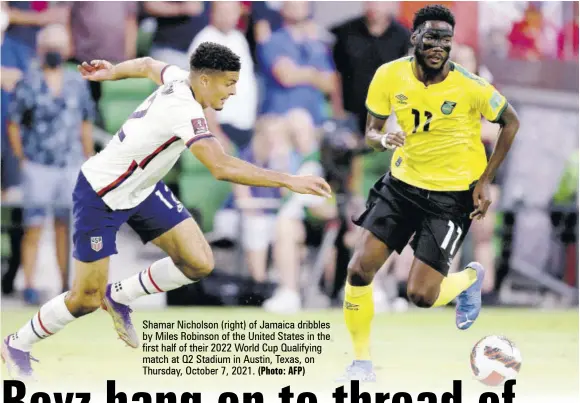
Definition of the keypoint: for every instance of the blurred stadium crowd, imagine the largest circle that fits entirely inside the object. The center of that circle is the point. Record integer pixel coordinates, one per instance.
(300, 107)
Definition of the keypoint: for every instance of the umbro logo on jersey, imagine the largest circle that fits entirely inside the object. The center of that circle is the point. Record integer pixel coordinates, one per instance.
(448, 107)
(402, 99)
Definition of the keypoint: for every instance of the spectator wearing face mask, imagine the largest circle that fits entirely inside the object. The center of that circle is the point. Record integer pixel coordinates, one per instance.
(50, 133)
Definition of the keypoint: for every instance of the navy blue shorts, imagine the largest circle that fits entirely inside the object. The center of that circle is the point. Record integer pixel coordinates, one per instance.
(96, 225)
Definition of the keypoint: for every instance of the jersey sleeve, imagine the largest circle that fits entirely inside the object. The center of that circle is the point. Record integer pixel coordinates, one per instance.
(173, 73)
(490, 102)
(193, 128)
(378, 103)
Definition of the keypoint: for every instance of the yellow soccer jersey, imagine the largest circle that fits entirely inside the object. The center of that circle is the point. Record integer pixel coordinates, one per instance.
(443, 149)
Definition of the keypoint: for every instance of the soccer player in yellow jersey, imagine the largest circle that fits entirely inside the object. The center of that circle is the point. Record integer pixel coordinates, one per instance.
(438, 182)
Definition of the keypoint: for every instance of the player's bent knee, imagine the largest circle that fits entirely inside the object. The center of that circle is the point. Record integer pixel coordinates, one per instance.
(83, 301)
(196, 269)
(358, 277)
(422, 297)
(359, 273)
(362, 269)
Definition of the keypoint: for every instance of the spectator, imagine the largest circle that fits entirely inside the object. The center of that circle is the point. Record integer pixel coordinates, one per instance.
(362, 45)
(13, 65)
(28, 17)
(297, 66)
(22, 23)
(178, 22)
(266, 18)
(103, 30)
(526, 35)
(568, 38)
(244, 20)
(14, 61)
(290, 222)
(496, 43)
(51, 117)
(237, 118)
(268, 149)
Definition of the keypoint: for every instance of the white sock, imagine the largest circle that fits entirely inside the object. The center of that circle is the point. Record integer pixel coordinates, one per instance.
(161, 276)
(52, 317)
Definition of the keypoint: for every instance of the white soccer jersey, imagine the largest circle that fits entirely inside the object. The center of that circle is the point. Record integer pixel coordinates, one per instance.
(148, 144)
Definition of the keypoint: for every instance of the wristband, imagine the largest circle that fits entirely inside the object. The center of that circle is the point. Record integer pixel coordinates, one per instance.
(384, 143)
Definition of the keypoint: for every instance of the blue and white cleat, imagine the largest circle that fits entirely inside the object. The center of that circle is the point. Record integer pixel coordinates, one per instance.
(469, 301)
(121, 315)
(17, 362)
(359, 370)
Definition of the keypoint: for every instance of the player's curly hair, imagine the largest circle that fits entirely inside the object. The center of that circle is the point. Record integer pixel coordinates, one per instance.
(433, 13)
(216, 57)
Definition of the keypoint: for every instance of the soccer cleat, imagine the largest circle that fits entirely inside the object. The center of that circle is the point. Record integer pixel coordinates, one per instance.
(359, 370)
(18, 362)
(469, 301)
(121, 315)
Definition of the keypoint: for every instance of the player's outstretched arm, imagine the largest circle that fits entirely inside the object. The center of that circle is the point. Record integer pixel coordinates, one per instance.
(102, 70)
(228, 168)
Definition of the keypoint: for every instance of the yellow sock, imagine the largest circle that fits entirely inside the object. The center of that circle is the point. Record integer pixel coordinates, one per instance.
(358, 311)
(454, 284)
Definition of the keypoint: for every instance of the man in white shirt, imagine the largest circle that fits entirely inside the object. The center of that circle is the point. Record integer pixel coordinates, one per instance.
(123, 184)
(239, 115)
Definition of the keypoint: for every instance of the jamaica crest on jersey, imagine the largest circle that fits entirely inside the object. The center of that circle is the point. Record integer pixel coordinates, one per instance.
(448, 107)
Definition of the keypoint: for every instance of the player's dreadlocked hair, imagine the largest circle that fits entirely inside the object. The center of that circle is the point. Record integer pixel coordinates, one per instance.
(433, 13)
(212, 56)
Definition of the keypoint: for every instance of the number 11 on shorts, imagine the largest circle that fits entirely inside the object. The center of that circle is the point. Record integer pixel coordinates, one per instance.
(166, 202)
(447, 239)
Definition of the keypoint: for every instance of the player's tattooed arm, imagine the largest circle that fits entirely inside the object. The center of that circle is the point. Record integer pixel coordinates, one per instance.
(509, 125)
(379, 141)
(143, 67)
(231, 169)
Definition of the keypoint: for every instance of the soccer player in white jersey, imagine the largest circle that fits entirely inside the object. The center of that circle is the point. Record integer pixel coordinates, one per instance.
(122, 184)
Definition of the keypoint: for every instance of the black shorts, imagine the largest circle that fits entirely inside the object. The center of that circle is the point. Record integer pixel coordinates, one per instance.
(437, 221)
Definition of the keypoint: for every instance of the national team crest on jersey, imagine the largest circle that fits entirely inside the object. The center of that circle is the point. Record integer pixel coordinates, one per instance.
(96, 243)
(448, 107)
(199, 126)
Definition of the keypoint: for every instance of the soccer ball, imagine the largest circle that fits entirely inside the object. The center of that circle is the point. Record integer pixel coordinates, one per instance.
(494, 360)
